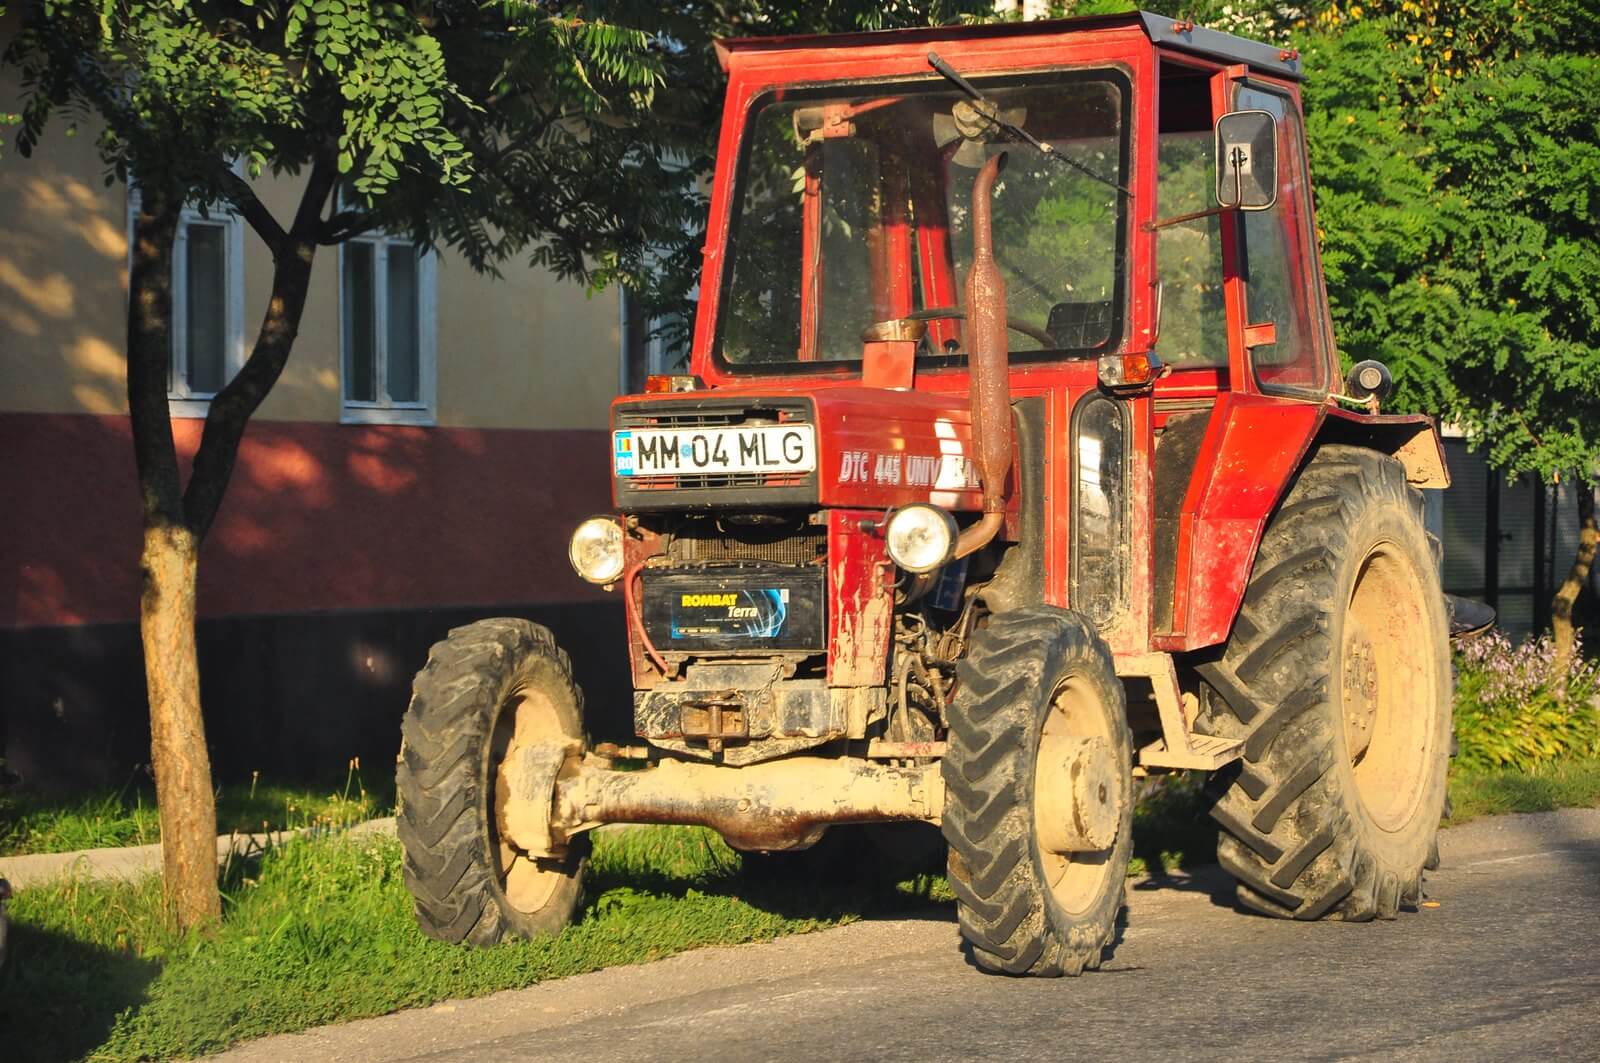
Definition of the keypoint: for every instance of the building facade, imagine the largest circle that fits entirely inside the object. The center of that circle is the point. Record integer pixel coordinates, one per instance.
(421, 462)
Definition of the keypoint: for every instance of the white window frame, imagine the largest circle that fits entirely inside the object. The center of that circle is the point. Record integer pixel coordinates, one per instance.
(181, 401)
(383, 410)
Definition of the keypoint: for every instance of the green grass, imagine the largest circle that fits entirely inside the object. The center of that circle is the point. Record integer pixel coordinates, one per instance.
(30, 824)
(1478, 792)
(320, 930)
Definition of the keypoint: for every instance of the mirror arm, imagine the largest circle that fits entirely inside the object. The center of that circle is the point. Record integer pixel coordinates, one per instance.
(1179, 219)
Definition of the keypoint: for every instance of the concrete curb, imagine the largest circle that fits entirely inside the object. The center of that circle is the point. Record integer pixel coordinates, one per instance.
(137, 860)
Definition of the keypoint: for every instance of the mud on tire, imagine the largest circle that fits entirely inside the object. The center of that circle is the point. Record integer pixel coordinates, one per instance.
(485, 686)
(1337, 679)
(1012, 918)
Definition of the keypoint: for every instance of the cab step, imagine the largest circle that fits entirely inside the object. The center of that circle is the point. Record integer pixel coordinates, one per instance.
(1205, 753)
(1180, 747)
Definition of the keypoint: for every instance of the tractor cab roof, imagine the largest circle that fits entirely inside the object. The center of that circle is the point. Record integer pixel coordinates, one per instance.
(1178, 34)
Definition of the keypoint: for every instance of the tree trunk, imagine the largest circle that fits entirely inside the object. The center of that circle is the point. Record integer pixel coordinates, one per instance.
(1577, 576)
(176, 521)
(168, 563)
(177, 732)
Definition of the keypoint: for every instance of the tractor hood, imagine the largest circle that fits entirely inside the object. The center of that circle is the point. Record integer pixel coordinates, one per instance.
(732, 448)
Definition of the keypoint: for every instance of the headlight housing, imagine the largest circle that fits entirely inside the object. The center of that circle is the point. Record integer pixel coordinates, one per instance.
(920, 537)
(596, 549)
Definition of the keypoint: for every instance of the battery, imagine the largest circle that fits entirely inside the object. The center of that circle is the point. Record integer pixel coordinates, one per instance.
(736, 607)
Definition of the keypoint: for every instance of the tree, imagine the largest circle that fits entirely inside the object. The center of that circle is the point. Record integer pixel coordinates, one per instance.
(439, 121)
(1457, 164)
(498, 130)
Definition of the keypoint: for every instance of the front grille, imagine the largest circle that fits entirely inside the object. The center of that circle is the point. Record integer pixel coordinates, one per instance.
(724, 412)
(708, 544)
(715, 480)
(708, 490)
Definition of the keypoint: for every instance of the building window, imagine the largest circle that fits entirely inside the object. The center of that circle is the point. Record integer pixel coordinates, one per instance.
(207, 304)
(387, 299)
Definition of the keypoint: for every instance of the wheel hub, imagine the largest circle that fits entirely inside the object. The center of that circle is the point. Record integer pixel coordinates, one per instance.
(1360, 689)
(1079, 799)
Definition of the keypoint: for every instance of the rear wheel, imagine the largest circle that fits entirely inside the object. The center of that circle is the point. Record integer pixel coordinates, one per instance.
(487, 690)
(1337, 679)
(1038, 795)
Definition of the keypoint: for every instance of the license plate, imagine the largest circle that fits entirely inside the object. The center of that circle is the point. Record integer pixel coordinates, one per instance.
(643, 452)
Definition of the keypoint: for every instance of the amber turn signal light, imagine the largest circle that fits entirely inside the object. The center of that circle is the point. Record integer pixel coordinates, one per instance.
(660, 383)
(1130, 370)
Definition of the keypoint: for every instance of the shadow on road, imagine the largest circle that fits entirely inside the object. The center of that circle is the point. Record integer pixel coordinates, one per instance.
(1207, 878)
(852, 872)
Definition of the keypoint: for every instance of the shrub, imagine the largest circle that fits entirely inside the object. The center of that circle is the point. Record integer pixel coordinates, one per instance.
(1515, 707)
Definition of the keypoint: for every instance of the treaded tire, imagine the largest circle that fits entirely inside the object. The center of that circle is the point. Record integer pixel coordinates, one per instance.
(464, 705)
(1011, 921)
(1306, 832)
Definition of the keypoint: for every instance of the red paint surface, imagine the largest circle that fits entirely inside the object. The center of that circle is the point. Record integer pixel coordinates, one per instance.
(317, 517)
(1252, 448)
(860, 600)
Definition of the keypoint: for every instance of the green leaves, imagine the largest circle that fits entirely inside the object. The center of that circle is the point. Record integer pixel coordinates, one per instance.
(1517, 707)
(1456, 173)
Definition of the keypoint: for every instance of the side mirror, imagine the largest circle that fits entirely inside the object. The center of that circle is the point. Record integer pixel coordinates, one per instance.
(1247, 160)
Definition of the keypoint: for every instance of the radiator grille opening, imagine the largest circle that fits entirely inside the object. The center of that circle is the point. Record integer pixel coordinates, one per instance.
(733, 414)
(702, 543)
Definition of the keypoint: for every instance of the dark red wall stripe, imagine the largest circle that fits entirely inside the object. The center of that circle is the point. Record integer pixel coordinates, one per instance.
(318, 517)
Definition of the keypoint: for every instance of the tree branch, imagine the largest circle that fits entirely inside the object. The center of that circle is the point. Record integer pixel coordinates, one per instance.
(233, 406)
(344, 225)
(253, 211)
(319, 185)
(150, 354)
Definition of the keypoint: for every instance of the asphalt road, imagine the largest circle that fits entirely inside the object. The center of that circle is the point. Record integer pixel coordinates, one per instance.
(1507, 965)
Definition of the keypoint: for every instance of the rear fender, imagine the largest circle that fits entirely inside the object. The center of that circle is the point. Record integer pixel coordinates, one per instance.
(1253, 448)
(1413, 438)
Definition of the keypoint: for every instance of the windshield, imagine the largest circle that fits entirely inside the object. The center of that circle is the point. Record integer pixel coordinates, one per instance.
(854, 210)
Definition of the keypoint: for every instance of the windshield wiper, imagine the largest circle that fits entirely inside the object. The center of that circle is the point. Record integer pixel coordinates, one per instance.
(993, 114)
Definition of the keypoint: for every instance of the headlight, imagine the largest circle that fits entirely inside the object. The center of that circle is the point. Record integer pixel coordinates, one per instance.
(596, 549)
(920, 537)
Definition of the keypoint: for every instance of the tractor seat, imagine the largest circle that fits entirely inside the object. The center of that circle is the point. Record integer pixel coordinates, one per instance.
(1080, 326)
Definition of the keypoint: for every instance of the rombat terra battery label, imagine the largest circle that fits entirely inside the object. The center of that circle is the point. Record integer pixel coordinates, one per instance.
(737, 608)
(757, 612)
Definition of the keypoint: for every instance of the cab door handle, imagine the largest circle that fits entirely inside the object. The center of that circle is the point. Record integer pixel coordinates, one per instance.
(1260, 335)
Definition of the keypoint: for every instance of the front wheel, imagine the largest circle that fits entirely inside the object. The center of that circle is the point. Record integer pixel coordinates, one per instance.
(488, 689)
(1337, 680)
(1038, 794)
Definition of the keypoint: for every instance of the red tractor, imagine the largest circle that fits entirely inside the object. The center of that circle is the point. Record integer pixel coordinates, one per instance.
(1013, 464)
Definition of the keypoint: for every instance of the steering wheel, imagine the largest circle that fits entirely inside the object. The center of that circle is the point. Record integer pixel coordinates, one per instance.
(913, 326)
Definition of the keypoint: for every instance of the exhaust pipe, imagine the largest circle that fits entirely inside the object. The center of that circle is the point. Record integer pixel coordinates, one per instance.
(987, 363)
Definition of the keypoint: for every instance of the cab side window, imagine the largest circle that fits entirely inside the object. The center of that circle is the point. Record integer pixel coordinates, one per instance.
(1194, 319)
(1278, 262)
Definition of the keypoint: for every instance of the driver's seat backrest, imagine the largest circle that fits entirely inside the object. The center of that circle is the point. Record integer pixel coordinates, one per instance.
(1080, 326)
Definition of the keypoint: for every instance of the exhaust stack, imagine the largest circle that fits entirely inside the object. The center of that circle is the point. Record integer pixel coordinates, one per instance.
(988, 365)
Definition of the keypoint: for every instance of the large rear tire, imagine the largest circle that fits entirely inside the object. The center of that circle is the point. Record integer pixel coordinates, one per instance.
(1337, 679)
(487, 689)
(1038, 736)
